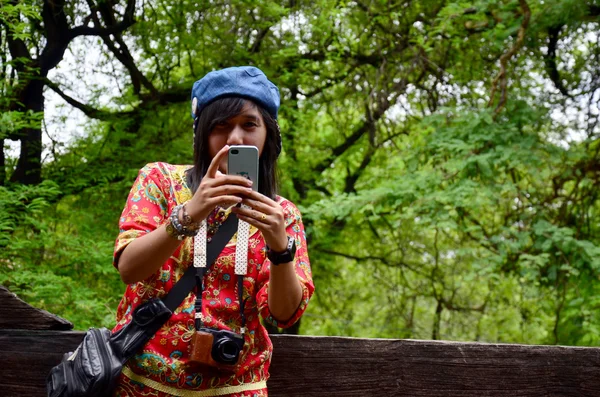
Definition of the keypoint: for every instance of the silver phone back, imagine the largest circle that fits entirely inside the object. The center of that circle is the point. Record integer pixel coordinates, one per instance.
(243, 160)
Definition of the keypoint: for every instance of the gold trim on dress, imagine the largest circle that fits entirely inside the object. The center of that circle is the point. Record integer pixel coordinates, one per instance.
(218, 391)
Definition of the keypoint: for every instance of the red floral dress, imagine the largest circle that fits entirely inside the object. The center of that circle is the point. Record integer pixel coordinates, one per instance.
(161, 367)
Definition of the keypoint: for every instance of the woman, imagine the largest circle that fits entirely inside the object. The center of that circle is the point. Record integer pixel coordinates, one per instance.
(233, 106)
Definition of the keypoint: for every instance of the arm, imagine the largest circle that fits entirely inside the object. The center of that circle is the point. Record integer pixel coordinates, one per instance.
(288, 286)
(146, 254)
(285, 291)
(149, 247)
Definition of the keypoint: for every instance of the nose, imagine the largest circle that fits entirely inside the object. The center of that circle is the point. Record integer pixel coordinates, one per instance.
(235, 136)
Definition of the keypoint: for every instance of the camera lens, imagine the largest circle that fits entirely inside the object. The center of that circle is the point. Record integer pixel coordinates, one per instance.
(235, 151)
(227, 351)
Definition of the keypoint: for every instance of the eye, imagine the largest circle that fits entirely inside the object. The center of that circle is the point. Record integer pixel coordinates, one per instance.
(251, 124)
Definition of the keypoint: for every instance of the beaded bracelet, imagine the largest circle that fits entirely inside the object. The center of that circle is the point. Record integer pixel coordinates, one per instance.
(186, 219)
(181, 229)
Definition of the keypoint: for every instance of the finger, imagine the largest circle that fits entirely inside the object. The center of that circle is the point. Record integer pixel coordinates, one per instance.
(250, 213)
(231, 180)
(224, 201)
(259, 197)
(214, 164)
(257, 205)
(254, 222)
(237, 190)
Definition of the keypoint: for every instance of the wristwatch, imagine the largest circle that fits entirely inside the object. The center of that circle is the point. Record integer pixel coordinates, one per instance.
(286, 256)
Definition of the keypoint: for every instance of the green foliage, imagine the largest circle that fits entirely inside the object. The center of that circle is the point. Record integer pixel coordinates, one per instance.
(48, 257)
(431, 211)
(11, 122)
(18, 15)
(458, 218)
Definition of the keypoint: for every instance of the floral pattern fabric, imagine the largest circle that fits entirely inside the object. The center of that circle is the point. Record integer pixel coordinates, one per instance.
(161, 367)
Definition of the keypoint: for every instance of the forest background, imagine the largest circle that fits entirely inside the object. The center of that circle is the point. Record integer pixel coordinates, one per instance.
(445, 154)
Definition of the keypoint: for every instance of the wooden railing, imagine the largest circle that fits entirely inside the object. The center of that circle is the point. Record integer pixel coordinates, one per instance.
(32, 341)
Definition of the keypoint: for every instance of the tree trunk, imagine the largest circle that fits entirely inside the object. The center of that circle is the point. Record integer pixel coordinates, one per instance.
(29, 166)
(2, 164)
(436, 321)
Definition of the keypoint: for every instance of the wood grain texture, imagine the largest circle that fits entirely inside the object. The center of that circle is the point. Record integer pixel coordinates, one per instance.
(28, 356)
(16, 314)
(336, 366)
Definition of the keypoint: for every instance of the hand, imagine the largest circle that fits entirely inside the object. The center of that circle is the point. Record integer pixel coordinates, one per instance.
(217, 189)
(267, 216)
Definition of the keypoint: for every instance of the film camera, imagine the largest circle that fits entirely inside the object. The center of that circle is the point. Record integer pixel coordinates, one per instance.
(216, 348)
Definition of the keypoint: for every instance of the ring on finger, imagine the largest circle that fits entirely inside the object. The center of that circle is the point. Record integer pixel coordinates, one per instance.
(263, 217)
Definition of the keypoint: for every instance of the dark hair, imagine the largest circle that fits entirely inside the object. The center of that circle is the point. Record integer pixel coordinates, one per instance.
(221, 110)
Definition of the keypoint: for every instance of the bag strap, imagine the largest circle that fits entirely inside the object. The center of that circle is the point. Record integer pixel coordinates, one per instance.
(187, 282)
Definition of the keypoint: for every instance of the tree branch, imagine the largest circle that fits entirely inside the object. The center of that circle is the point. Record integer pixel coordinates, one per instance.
(501, 76)
(56, 30)
(128, 20)
(551, 68)
(355, 257)
(89, 111)
(383, 260)
(383, 104)
(122, 53)
(259, 39)
(351, 178)
(17, 47)
(332, 81)
(363, 128)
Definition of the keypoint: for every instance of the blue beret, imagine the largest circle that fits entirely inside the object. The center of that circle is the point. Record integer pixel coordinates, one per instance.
(244, 81)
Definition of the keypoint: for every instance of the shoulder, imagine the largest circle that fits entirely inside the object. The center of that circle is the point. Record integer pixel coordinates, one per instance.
(159, 171)
(170, 179)
(291, 212)
(165, 169)
(286, 204)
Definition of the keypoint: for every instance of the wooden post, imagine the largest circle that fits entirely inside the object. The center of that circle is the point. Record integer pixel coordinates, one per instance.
(16, 314)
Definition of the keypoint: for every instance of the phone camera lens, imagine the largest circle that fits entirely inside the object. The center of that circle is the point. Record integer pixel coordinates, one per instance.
(235, 151)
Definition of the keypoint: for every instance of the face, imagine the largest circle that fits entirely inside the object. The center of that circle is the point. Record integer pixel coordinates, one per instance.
(247, 128)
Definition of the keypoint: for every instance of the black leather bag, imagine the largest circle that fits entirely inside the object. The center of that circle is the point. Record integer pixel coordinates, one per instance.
(93, 369)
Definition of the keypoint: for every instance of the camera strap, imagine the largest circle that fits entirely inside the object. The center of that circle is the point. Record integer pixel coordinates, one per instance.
(187, 282)
(204, 257)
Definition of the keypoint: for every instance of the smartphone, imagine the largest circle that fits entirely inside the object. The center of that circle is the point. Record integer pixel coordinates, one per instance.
(243, 160)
